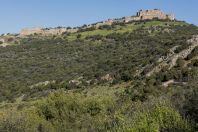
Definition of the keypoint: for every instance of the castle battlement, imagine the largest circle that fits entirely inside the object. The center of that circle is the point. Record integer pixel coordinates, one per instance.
(149, 15)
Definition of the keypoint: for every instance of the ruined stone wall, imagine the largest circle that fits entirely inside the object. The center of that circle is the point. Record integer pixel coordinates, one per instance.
(149, 15)
(52, 31)
(134, 18)
(108, 22)
(30, 31)
(141, 15)
(171, 17)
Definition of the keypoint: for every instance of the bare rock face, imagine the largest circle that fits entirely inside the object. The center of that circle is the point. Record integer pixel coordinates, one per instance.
(107, 77)
(171, 59)
(6, 40)
(42, 84)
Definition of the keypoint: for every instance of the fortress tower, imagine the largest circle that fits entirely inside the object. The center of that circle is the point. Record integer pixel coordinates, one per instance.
(149, 15)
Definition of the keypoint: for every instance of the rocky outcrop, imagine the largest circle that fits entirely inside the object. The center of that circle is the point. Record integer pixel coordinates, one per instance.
(6, 40)
(167, 83)
(171, 59)
(2, 40)
(42, 84)
(107, 77)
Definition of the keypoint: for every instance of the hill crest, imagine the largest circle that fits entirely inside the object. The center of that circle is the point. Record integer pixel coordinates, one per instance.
(140, 16)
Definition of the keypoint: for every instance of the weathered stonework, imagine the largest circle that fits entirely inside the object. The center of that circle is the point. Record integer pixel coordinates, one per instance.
(141, 15)
(30, 31)
(51, 31)
(108, 22)
(149, 15)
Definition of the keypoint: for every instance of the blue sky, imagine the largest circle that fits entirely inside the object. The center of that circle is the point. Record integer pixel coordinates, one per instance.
(18, 14)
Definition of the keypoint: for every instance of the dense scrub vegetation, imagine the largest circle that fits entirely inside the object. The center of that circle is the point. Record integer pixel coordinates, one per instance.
(118, 54)
(76, 112)
(87, 81)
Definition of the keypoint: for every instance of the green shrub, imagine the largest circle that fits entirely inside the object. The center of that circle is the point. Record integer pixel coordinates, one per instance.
(24, 121)
(161, 118)
(191, 105)
(74, 112)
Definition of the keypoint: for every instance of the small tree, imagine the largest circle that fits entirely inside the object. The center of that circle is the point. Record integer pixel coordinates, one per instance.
(84, 26)
(79, 36)
(69, 28)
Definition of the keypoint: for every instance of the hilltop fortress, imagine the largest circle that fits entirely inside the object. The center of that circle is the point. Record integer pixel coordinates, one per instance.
(140, 16)
(149, 15)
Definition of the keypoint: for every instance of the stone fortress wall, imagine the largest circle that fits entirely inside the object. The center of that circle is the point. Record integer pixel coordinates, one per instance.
(42, 31)
(141, 15)
(149, 15)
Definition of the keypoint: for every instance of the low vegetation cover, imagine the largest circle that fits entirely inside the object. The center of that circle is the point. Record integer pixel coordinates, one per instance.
(89, 81)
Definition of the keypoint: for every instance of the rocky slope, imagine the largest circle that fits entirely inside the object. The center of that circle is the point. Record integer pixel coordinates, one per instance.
(171, 59)
(136, 76)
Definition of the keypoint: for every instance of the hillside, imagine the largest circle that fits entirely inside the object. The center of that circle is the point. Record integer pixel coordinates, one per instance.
(135, 76)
